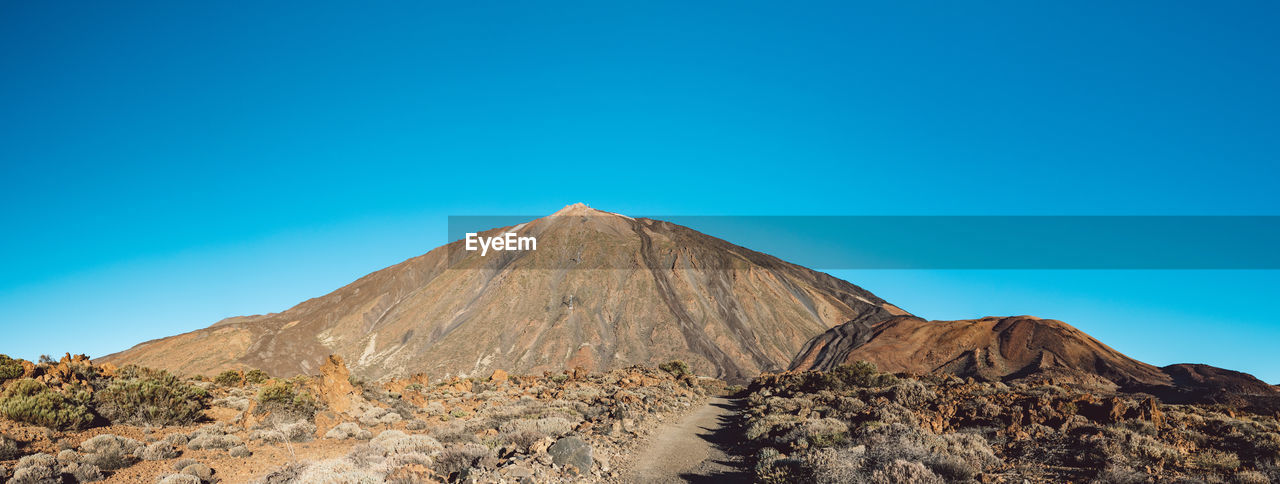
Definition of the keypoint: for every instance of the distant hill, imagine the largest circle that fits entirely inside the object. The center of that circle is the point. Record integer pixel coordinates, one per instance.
(1015, 347)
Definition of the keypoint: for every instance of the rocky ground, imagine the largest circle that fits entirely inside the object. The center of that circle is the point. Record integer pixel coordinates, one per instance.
(69, 421)
(73, 421)
(855, 425)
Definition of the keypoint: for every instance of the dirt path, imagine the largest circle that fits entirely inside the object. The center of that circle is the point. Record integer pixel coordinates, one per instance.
(698, 448)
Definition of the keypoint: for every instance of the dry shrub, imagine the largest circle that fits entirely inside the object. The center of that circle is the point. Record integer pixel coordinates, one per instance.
(1216, 460)
(522, 439)
(343, 431)
(300, 431)
(337, 471)
(901, 471)
(459, 458)
(286, 474)
(110, 452)
(8, 448)
(552, 426)
(397, 442)
(158, 451)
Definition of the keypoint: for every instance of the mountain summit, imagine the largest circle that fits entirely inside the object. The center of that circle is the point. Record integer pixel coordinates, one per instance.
(600, 291)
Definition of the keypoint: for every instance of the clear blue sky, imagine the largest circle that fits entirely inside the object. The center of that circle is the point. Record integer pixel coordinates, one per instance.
(169, 164)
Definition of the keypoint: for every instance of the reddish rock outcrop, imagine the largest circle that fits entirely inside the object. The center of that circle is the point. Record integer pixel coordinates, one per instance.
(498, 376)
(334, 386)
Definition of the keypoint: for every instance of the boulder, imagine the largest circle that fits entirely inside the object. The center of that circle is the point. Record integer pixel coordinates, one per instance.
(573, 454)
(499, 376)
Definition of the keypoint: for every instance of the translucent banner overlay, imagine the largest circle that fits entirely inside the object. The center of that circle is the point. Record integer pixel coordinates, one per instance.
(904, 242)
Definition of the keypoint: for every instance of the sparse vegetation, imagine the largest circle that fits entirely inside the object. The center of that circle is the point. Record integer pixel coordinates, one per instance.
(8, 448)
(676, 368)
(29, 401)
(944, 429)
(229, 378)
(256, 377)
(110, 452)
(457, 459)
(1216, 460)
(10, 368)
(285, 397)
(522, 440)
(151, 398)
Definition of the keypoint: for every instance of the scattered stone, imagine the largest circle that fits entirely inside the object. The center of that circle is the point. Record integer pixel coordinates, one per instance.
(572, 451)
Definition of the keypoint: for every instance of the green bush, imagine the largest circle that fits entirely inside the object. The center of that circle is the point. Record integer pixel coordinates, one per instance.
(255, 376)
(859, 374)
(9, 368)
(228, 378)
(676, 368)
(29, 401)
(151, 398)
(863, 374)
(828, 439)
(285, 397)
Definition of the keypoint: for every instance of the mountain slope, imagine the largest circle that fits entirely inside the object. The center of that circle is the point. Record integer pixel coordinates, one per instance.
(601, 291)
(991, 348)
(1012, 347)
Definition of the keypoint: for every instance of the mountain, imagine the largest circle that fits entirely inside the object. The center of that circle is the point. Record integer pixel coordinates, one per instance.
(600, 291)
(1007, 348)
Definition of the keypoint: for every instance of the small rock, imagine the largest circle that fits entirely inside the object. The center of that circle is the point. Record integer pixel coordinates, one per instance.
(602, 461)
(541, 446)
(517, 472)
(572, 452)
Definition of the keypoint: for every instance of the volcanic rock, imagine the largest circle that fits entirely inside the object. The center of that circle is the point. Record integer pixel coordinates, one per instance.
(334, 386)
(572, 451)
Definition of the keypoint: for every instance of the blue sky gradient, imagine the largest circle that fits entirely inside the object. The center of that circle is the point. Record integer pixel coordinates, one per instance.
(167, 165)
